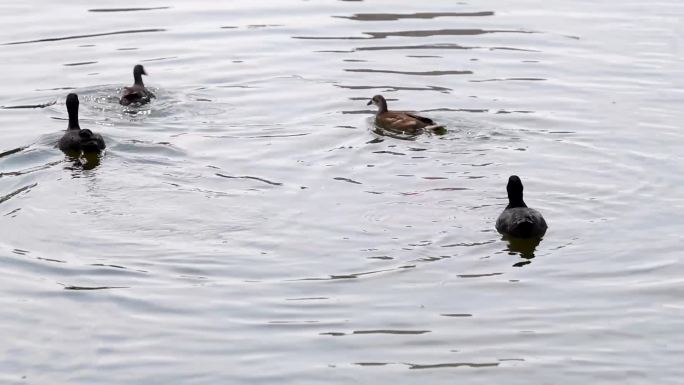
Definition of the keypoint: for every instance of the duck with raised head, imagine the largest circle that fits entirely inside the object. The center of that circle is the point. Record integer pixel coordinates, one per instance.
(401, 122)
(75, 139)
(137, 93)
(517, 219)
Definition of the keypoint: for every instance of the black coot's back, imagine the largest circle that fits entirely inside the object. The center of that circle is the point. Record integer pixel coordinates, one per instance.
(517, 219)
(75, 139)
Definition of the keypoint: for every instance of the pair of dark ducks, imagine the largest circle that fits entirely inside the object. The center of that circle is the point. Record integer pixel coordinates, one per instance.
(77, 140)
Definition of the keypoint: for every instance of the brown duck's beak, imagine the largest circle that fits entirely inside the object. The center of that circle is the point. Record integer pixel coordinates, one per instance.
(369, 102)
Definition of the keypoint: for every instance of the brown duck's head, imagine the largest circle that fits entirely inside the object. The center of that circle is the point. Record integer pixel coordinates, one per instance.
(379, 101)
(138, 72)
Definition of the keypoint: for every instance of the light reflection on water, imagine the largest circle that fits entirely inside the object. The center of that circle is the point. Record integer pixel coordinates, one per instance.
(251, 226)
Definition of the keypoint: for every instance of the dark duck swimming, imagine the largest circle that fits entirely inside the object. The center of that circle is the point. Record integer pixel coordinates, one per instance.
(402, 122)
(137, 93)
(75, 139)
(518, 220)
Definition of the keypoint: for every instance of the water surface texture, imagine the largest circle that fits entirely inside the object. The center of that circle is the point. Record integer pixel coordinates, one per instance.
(249, 227)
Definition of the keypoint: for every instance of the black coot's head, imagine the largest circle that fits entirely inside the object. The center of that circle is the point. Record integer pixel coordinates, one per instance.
(72, 110)
(72, 101)
(515, 192)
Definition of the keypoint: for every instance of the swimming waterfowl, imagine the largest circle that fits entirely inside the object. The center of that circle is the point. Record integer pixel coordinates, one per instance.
(398, 121)
(137, 93)
(75, 139)
(517, 219)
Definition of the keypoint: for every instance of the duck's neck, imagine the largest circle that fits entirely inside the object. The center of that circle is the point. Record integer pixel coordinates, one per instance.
(73, 118)
(137, 79)
(382, 107)
(515, 200)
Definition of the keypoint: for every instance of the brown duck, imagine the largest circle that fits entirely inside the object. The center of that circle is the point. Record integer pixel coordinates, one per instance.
(401, 122)
(137, 93)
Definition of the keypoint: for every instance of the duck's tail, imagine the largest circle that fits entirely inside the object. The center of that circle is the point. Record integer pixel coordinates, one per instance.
(436, 129)
(525, 228)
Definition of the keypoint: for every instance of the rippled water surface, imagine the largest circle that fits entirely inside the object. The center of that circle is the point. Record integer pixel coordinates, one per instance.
(250, 227)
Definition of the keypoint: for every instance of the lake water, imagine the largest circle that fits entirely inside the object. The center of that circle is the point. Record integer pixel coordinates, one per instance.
(249, 227)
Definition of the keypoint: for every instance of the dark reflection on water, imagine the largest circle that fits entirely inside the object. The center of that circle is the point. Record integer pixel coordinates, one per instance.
(126, 32)
(83, 63)
(439, 47)
(85, 161)
(41, 105)
(379, 331)
(250, 177)
(412, 47)
(479, 275)
(417, 15)
(414, 73)
(454, 365)
(87, 288)
(347, 180)
(125, 9)
(396, 88)
(414, 33)
(507, 79)
(30, 169)
(433, 366)
(6, 197)
(354, 276)
(440, 32)
(12, 151)
(525, 248)
(386, 331)
(159, 59)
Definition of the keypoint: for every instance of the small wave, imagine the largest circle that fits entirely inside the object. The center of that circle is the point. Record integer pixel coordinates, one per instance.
(132, 31)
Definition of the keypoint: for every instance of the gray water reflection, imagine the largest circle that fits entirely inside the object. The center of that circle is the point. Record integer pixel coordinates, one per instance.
(415, 15)
(126, 9)
(85, 36)
(417, 33)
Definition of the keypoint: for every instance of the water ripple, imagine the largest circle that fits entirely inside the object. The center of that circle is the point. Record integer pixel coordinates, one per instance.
(49, 39)
(16, 192)
(414, 73)
(249, 177)
(415, 33)
(126, 9)
(416, 15)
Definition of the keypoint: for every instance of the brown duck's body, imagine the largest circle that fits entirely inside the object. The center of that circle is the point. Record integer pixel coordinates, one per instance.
(400, 121)
(403, 122)
(137, 93)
